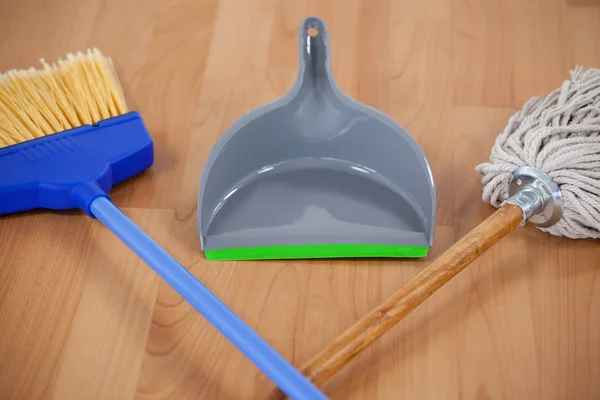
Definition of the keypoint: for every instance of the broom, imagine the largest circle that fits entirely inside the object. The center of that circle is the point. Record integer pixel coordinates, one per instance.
(544, 168)
(66, 137)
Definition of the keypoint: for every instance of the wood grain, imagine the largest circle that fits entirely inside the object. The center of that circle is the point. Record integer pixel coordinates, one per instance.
(378, 321)
(76, 307)
(87, 313)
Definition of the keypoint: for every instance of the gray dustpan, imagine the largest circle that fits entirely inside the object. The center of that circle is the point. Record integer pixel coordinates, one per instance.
(315, 174)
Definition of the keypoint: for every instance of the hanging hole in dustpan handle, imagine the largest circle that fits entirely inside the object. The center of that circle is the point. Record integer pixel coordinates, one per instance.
(312, 31)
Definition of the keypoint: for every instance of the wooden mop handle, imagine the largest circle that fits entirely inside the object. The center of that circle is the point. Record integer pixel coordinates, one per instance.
(417, 290)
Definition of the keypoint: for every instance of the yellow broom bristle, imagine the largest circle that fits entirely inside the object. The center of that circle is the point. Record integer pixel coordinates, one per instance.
(80, 90)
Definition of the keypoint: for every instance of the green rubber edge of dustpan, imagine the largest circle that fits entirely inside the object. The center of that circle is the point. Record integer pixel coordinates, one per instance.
(317, 251)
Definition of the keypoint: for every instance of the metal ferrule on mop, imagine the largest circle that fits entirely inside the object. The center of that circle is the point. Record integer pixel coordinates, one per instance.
(537, 195)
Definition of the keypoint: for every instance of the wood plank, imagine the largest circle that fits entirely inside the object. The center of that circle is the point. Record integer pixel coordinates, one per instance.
(77, 309)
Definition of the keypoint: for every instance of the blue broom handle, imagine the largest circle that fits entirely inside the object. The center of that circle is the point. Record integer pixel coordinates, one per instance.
(277, 368)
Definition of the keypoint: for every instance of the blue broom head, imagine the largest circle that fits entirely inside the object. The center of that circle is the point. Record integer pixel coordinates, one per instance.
(66, 136)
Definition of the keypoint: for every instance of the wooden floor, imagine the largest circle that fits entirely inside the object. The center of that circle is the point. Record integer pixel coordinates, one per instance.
(81, 317)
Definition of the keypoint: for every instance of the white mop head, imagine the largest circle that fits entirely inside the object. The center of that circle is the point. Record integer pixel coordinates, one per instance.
(561, 136)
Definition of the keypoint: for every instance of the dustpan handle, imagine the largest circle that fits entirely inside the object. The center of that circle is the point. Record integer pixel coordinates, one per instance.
(278, 369)
(369, 328)
(314, 54)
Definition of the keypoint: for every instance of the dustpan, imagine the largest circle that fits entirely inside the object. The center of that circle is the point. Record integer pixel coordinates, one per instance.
(315, 174)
